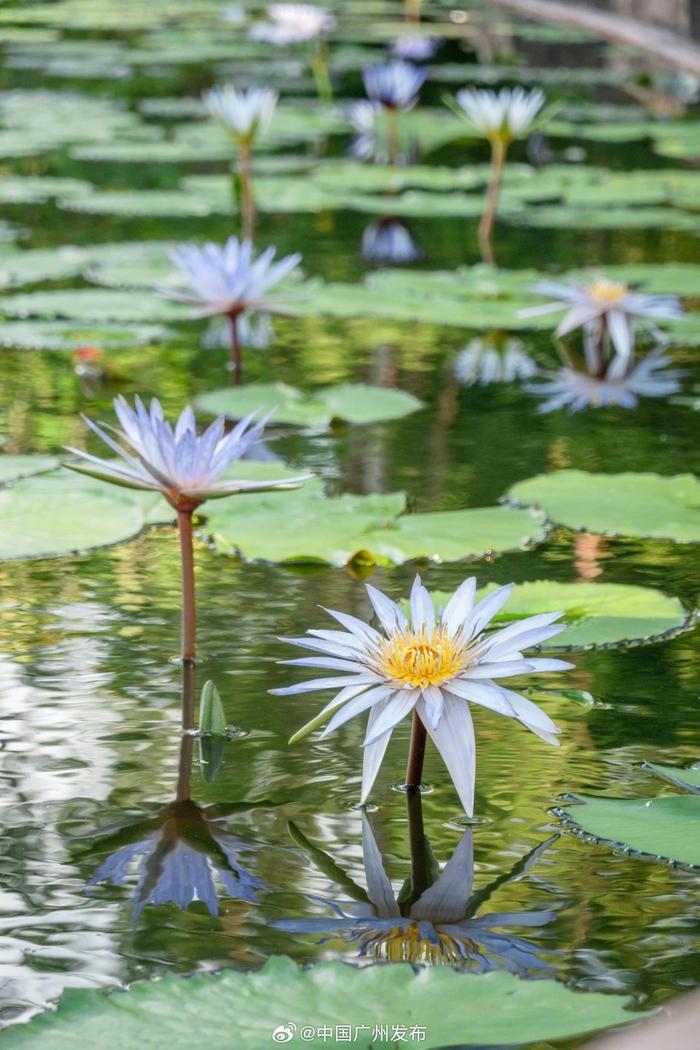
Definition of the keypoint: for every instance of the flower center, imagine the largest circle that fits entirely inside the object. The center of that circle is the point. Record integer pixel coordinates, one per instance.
(408, 944)
(421, 658)
(607, 291)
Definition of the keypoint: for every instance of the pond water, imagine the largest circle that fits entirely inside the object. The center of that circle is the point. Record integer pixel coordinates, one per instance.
(90, 687)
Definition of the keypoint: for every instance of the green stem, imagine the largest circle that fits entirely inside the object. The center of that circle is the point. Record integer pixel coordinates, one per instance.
(320, 71)
(392, 134)
(498, 157)
(245, 171)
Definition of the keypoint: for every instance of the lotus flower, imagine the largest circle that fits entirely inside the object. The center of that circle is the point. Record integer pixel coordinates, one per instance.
(432, 924)
(294, 24)
(606, 310)
(247, 113)
(431, 666)
(506, 114)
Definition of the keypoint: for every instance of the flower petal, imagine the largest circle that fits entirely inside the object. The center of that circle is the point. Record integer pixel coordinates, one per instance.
(454, 739)
(402, 703)
(379, 888)
(388, 612)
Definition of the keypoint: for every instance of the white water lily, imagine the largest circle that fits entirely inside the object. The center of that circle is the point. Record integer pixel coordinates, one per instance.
(432, 664)
(505, 115)
(575, 390)
(246, 113)
(604, 308)
(389, 241)
(294, 24)
(394, 84)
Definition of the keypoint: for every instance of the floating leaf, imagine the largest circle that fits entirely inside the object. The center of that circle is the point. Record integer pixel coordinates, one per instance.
(352, 402)
(14, 467)
(94, 305)
(665, 828)
(686, 778)
(597, 614)
(67, 335)
(212, 717)
(42, 517)
(35, 189)
(647, 505)
(448, 1006)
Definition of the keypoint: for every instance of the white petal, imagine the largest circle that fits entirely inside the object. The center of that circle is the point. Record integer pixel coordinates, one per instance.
(459, 605)
(357, 627)
(454, 739)
(356, 707)
(422, 608)
(487, 608)
(530, 714)
(497, 669)
(433, 704)
(539, 665)
(487, 695)
(495, 642)
(379, 888)
(373, 754)
(325, 683)
(401, 704)
(447, 900)
(388, 612)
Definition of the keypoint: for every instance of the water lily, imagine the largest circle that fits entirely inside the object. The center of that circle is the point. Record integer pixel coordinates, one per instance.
(483, 362)
(606, 311)
(247, 115)
(395, 86)
(301, 24)
(500, 116)
(363, 117)
(414, 48)
(432, 666)
(576, 389)
(433, 920)
(229, 280)
(389, 241)
(186, 468)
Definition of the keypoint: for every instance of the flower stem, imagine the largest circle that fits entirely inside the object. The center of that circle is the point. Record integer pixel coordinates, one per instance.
(245, 170)
(236, 362)
(416, 754)
(412, 11)
(184, 525)
(498, 157)
(392, 134)
(321, 75)
(420, 864)
(186, 744)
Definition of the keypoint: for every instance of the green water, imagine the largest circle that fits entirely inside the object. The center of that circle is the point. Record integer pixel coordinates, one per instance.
(90, 688)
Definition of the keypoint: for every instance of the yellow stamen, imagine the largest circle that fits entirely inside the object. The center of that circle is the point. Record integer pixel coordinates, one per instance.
(421, 658)
(606, 291)
(407, 945)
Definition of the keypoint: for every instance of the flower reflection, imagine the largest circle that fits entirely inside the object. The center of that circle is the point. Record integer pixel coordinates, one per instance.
(186, 852)
(576, 389)
(389, 241)
(490, 360)
(433, 919)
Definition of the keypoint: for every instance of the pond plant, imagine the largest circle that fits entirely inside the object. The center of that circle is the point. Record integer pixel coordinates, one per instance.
(185, 467)
(501, 117)
(246, 115)
(431, 666)
(229, 280)
(290, 24)
(394, 86)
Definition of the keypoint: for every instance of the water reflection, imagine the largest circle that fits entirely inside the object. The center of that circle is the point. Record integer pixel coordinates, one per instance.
(389, 241)
(433, 918)
(186, 852)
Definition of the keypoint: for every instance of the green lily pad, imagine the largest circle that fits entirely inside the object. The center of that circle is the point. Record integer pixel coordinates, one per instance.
(447, 1006)
(686, 778)
(665, 828)
(42, 518)
(647, 505)
(14, 467)
(597, 614)
(342, 528)
(94, 305)
(608, 218)
(35, 189)
(67, 335)
(351, 402)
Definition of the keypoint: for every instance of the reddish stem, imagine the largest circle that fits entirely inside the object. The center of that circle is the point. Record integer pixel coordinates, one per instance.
(184, 525)
(236, 362)
(416, 754)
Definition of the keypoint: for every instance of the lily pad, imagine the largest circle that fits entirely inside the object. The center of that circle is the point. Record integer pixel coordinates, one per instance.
(342, 528)
(646, 505)
(351, 402)
(665, 828)
(67, 335)
(35, 189)
(446, 1005)
(94, 305)
(42, 517)
(14, 467)
(686, 778)
(597, 614)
